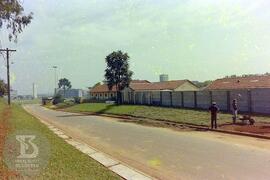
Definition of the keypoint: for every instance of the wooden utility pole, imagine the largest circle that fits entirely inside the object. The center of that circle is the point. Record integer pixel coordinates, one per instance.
(8, 79)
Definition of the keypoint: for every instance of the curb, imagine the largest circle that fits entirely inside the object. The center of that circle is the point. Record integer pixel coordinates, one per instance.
(126, 117)
(119, 168)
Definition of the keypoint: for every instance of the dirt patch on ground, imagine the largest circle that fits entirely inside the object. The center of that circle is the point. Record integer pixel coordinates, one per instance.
(257, 128)
(4, 128)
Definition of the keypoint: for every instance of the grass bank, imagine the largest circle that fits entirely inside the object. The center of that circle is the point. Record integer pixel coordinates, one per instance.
(65, 161)
(195, 117)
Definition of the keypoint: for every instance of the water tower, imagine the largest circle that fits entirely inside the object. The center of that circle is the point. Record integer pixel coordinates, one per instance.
(163, 77)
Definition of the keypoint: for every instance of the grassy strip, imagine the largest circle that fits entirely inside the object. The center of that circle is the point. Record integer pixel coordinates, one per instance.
(65, 161)
(195, 117)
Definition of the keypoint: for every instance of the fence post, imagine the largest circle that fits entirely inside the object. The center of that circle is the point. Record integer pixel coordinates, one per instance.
(160, 98)
(134, 97)
(182, 99)
(211, 97)
(151, 98)
(195, 99)
(249, 101)
(171, 104)
(228, 101)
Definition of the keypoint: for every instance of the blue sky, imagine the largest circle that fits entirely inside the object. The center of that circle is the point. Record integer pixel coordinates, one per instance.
(187, 39)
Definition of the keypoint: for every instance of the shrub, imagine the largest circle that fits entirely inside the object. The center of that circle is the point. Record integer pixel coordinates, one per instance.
(77, 100)
(57, 99)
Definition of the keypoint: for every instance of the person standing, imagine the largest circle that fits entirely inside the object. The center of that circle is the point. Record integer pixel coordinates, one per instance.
(235, 110)
(214, 110)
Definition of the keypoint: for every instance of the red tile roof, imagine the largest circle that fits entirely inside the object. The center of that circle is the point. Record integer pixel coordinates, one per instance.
(240, 83)
(139, 81)
(143, 85)
(167, 85)
(104, 87)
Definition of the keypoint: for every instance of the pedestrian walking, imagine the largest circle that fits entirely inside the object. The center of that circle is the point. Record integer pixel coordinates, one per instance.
(214, 110)
(234, 110)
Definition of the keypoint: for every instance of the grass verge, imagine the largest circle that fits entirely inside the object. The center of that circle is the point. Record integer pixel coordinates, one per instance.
(65, 162)
(188, 116)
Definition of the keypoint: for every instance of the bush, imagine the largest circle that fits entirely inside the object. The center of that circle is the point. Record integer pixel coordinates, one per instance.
(57, 99)
(77, 100)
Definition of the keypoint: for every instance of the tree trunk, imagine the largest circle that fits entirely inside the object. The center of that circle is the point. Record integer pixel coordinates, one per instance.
(118, 95)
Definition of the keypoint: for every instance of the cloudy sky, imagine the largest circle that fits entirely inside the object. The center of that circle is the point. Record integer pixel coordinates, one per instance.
(187, 39)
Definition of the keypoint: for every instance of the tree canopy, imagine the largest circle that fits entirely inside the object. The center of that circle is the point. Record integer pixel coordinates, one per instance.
(64, 83)
(117, 72)
(12, 16)
(3, 88)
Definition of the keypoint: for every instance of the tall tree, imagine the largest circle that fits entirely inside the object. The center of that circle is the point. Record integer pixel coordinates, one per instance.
(12, 16)
(64, 84)
(117, 72)
(3, 88)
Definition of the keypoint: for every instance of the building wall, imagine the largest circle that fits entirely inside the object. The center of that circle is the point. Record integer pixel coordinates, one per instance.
(70, 93)
(103, 95)
(187, 86)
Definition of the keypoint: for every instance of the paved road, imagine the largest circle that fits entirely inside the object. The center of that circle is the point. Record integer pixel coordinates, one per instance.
(165, 153)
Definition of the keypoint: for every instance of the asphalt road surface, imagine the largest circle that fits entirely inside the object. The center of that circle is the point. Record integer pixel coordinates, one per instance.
(165, 153)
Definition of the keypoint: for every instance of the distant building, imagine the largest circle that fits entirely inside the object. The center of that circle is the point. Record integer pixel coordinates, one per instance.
(71, 93)
(35, 96)
(102, 92)
(163, 77)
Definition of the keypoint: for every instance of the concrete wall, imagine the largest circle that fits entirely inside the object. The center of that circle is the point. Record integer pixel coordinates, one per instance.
(177, 99)
(255, 101)
(166, 98)
(156, 98)
(242, 99)
(260, 100)
(189, 99)
(146, 96)
(203, 99)
(220, 97)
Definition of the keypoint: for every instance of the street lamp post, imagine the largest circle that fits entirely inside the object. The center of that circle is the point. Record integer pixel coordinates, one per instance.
(55, 78)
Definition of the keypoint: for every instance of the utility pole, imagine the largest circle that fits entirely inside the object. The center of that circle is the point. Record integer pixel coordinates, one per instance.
(8, 79)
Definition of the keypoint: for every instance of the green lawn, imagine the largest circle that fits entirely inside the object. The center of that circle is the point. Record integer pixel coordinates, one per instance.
(65, 162)
(195, 117)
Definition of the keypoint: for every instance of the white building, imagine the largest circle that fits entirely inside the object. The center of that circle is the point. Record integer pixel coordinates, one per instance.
(35, 91)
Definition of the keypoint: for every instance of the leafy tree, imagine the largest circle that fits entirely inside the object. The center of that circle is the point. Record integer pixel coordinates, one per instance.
(64, 84)
(117, 72)
(3, 88)
(12, 16)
